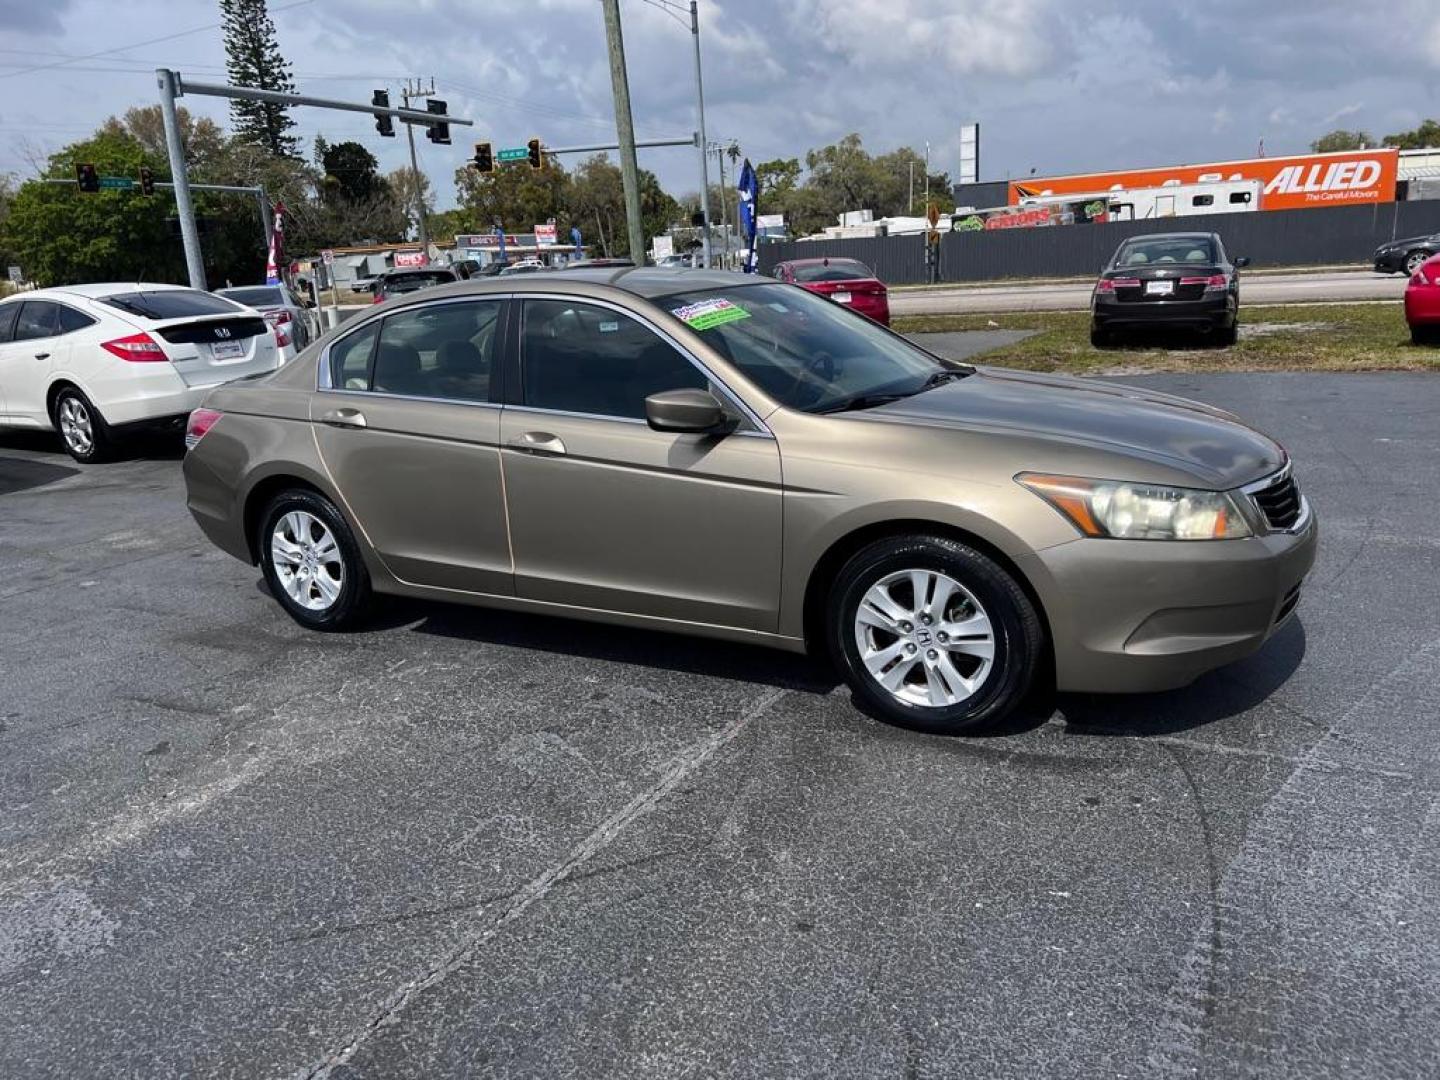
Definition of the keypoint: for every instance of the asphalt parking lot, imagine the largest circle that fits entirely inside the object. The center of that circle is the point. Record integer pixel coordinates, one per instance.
(464, 843)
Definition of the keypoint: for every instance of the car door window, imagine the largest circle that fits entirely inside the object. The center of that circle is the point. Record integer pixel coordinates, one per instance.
(68, 320)
(350, 358)
(8, 312)
(37, 320)
(444, 351)
(583, 358)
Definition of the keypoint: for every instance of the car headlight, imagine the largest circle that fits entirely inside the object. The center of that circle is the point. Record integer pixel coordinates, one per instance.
(1126, 511)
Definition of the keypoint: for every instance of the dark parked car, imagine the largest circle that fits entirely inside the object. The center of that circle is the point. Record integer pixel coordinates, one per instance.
(846, 281)
(1181, 281)
(396, 282)
(1405, 256)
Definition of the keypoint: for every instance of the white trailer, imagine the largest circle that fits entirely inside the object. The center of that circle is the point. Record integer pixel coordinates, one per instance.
(1172, 200)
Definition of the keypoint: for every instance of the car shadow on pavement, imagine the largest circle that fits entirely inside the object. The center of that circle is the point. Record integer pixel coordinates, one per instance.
(22, 474)
(572, 637)
(142, 445)
(1217, 695)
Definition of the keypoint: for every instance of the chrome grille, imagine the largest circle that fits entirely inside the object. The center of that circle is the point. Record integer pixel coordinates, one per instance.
(1279, 502)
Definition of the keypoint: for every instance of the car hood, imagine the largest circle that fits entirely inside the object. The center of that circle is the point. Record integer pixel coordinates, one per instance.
(1395, 245)
(1208, 443)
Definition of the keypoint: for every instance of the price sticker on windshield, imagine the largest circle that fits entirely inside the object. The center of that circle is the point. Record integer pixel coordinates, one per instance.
(705, 314)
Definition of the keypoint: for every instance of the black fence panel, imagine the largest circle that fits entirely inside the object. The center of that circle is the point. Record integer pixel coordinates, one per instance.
(1269, 237)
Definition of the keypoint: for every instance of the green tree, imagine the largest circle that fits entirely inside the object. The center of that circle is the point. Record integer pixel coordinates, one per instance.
(516, 196)
(252, 58)
(1426, 135)
(1340, 139)
(204, 142)
(351, 172)
(406, 186)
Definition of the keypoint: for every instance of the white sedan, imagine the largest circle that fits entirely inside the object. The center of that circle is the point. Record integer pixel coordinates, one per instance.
(87, 360)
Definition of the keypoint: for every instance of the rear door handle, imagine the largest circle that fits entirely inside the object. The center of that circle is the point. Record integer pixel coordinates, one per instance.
(343, 418)
(42, 356)
(538, 442)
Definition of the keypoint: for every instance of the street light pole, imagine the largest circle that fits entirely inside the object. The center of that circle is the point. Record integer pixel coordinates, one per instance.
(704, 165)
(184, 208)
(625, 129)
(415, 169)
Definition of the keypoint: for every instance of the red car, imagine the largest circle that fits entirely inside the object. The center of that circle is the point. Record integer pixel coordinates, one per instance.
(1422, 302)
(845, 281)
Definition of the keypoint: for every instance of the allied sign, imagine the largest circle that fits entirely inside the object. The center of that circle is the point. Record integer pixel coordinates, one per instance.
(514, 153)
(1287, 183)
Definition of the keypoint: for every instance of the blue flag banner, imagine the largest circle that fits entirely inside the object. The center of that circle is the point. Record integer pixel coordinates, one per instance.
(575, 239)
(749, 190)
(501, 234)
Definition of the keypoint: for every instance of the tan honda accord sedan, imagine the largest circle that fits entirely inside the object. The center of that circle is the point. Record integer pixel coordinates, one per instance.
(723, 455)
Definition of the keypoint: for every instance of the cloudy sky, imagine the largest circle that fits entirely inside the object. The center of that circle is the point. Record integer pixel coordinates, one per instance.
(1057, 86)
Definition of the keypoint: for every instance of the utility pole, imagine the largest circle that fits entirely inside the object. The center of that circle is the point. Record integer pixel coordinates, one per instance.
(927, 177)
(724, 211)
(417, 92)
(912, 185)
(700, 138)
(625, 129)
(184, 208)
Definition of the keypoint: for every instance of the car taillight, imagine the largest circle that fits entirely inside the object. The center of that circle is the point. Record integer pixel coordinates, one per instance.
(378, 297)
(277, 318)
(1109, 285)
(1420, 278)
(1212, 283)
(137, 348)
(1105, 285)
(201, 421)
(282, 338)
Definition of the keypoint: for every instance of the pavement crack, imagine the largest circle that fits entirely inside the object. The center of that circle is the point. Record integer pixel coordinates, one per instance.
(680, 767)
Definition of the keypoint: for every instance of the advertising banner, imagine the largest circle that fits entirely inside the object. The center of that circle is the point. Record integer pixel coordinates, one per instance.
(1287, 183)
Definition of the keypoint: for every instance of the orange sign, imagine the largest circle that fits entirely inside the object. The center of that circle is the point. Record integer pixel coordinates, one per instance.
(1288, 183)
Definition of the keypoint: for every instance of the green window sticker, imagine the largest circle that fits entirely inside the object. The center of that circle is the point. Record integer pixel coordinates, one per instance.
(705, 314)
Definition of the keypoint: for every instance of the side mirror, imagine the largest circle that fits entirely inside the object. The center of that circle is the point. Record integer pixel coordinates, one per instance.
(1242, 261)
(692, 411)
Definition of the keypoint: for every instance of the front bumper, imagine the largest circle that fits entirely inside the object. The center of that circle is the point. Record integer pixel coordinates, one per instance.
(1389, 262)
(1210, 312)
(1129, 616)
(1422, 305)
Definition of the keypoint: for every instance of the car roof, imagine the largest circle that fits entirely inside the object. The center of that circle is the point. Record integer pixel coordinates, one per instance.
(97, 289)
(1171, 236)
(821, 259)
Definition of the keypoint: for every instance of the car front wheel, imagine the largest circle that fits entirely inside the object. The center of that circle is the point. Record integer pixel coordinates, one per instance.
(311, 562)
(932, 634)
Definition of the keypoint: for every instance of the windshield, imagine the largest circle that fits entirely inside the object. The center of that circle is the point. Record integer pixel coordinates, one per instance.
(1166, 251)
(803, 350)
(254, 297)
(170, 304)
(834, 270)
(411, 282)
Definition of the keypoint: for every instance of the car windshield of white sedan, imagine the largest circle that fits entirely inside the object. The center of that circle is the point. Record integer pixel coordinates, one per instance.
(805, 351)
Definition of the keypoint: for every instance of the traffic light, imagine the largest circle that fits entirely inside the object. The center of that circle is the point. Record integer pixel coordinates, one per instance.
(437, 133)
(384, 122)
(147, 181)
(484, 158)
(537, 159)
(86, 178)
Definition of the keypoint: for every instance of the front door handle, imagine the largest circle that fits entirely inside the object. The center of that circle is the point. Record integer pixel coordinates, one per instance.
(343, 418)
(538, 442)
(42, 356)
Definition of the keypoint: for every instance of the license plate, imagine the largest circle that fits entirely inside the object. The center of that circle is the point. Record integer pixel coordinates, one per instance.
(1159, 288)
(841, 297)
(227, 350)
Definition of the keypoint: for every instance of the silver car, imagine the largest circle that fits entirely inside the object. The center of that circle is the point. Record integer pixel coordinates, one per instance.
(282, 309)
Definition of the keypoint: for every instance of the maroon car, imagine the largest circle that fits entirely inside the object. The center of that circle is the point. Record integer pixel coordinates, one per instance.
(846, 281)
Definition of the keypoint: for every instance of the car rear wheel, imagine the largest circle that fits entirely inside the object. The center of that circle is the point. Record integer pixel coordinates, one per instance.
(932, 634)
(1414, 261)
(1099, 336)
(82, 429)
(1422, 335)
(1227, 336)
(311, 561)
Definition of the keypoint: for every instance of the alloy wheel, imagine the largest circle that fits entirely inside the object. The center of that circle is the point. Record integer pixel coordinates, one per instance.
(76, 427)
(307, 560)
(1414, 261)
(924, 638)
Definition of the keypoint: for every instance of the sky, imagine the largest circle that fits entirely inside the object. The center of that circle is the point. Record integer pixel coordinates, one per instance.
(1056, 86)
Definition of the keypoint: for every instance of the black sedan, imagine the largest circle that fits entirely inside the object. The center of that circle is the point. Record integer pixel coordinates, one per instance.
(1181, 281)
(1405, 256)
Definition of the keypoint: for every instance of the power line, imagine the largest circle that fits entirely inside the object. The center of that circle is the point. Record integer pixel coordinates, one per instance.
(139, 44)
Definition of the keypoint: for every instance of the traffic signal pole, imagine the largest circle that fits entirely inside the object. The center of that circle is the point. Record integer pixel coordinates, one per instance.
(173, 86)
(424, 232)
(189, 233)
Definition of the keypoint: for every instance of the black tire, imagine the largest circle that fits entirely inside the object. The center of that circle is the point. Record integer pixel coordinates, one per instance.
(352, 603)
(1422, 335)
(72, 413)
(1228, 336)
(1414, 260)
(1099, 336)
(1017, 632)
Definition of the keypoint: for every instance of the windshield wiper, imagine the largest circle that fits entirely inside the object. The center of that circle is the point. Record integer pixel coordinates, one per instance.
(940, 378)
(861, 401)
